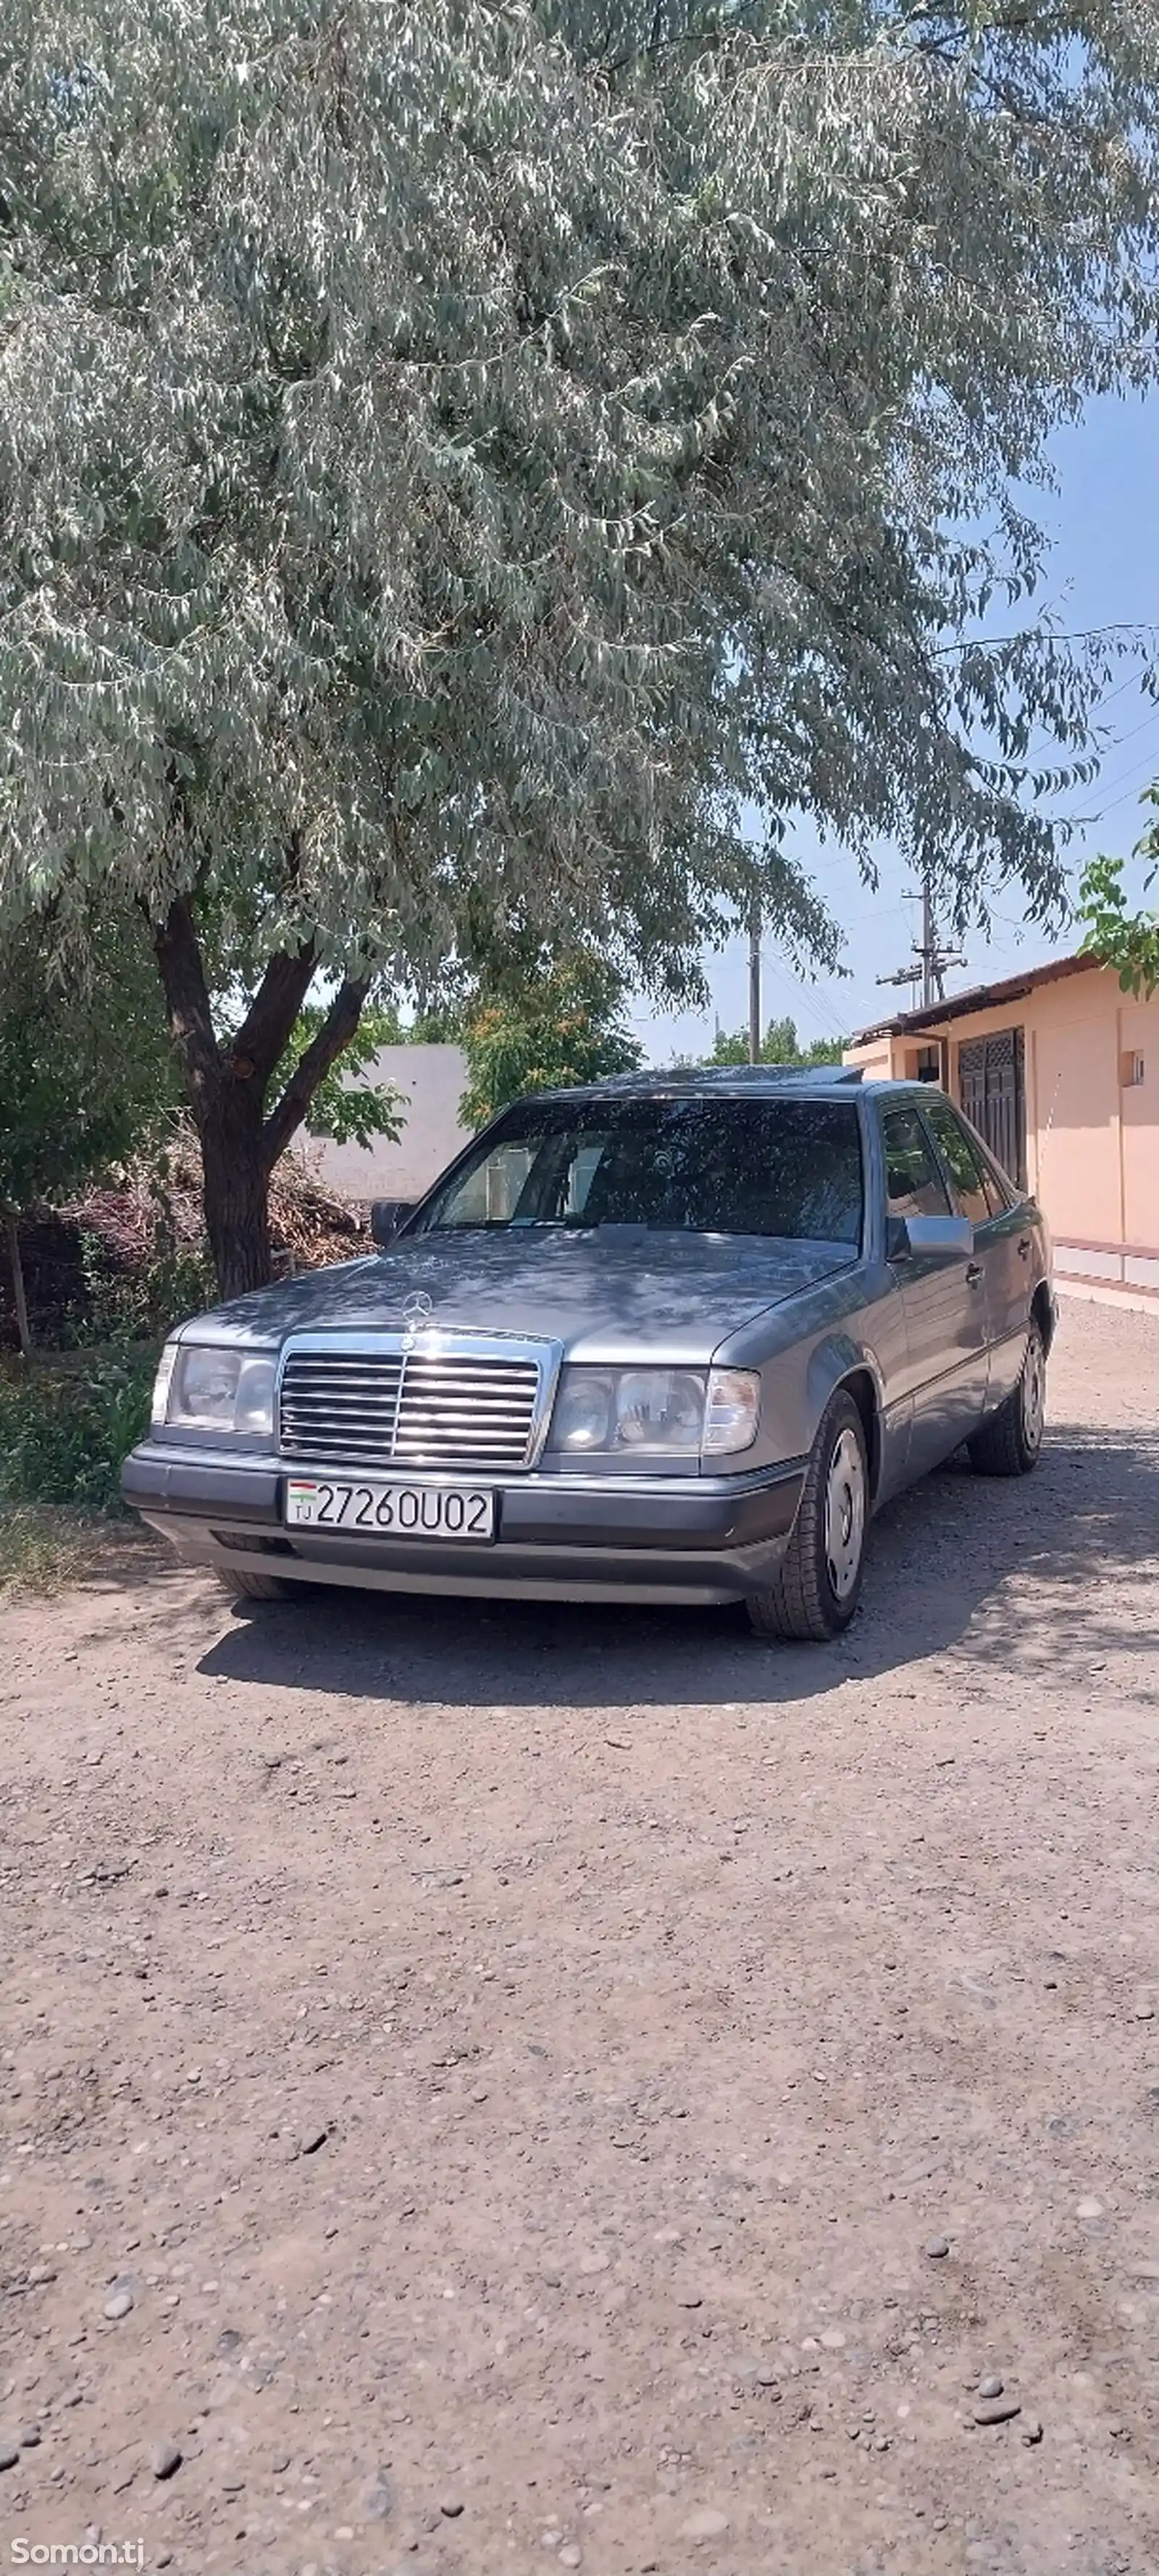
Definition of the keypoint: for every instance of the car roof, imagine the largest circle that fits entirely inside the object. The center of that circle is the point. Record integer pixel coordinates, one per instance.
(712, 1081)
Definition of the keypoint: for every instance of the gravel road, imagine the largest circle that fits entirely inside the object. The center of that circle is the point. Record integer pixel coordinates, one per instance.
(493, 2086)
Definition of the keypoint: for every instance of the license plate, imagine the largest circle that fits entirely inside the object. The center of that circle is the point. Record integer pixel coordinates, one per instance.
(390, 1511)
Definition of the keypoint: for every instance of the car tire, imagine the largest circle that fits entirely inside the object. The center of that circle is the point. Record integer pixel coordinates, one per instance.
(255, 1587)
(817, 1586)
(1010, 1442)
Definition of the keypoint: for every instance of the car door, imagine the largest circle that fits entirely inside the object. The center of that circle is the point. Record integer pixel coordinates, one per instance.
(946, 1352)
(1003, 1241)
(999, 1229)
(1008, 1244)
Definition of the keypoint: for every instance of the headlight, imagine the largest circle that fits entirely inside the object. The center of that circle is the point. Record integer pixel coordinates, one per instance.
(659, 1409)
(655, 1410)
(584, 1410)
(203, 1387)
(638, 1409)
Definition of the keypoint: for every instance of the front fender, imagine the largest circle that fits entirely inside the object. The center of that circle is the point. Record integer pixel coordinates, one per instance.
(832, 1360)
(832, 1363)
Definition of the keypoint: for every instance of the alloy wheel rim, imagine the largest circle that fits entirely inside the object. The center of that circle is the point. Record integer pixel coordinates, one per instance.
(1034, 1393)
(844, 1515)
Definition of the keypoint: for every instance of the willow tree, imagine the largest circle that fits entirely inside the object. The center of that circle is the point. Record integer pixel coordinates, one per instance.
(493, 464)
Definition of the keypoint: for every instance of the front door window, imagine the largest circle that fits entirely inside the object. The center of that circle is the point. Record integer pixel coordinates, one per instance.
(914, 1185)
(973, 1189)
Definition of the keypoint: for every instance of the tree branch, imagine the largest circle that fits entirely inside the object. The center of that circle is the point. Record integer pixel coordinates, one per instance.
(178, 953)
(261, 1041)
(336, 1032)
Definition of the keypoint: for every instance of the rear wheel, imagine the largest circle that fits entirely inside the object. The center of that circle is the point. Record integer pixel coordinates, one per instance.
(817, 1585)
(1008, 1445)
(254, 1587)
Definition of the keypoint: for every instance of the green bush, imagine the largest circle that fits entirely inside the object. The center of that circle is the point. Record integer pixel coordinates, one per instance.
(65, 1426)
(137, 1302)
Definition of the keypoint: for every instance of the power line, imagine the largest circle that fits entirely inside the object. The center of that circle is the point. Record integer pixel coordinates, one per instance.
(797, 993)
(1151, 717)
(1131, 796)
(1046, 740)
(1138, 626)
(803, 998)
(1138, 769)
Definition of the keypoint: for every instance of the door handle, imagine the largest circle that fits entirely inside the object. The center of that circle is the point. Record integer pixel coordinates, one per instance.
(974, 1274)
(1024, 1247)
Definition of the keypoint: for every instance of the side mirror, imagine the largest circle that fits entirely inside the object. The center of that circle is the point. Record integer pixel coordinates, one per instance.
(387, 1217)
(929, 1238)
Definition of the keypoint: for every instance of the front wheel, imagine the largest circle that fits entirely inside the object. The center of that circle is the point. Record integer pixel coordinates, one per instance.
(254, 1587)
(1008, 1445)
(817, 1585)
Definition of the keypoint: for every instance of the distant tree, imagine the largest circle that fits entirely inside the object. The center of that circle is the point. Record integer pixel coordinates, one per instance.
(1126, 941)
(567, 1027)
(80, 1080)
(780, 1045)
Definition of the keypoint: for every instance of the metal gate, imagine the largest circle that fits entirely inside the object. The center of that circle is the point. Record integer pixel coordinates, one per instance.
(992, 1090)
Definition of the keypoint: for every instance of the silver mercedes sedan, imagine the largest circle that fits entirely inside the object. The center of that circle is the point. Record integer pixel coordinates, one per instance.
(674, 1337)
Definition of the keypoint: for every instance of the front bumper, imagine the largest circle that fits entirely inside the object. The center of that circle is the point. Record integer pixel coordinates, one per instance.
(566, 1538)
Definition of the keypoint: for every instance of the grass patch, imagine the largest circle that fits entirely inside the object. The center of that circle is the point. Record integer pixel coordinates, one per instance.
(43, 1547)
(67, 1420)
(40, 1548)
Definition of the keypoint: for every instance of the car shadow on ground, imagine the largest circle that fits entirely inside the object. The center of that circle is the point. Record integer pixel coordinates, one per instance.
(987, 1571)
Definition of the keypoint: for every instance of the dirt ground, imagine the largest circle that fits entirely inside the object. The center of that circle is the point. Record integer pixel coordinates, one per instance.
(584, 2085)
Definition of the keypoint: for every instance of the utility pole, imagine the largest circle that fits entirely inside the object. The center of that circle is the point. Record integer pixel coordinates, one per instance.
(755, 980)
(930, 959)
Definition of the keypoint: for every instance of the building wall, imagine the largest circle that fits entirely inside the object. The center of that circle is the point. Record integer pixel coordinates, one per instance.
(1092, 1130)
(1139, 1112)
(878, 1059)
(433, 1079)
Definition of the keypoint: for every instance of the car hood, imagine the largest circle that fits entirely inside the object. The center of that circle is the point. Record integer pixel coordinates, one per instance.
(605, 1296)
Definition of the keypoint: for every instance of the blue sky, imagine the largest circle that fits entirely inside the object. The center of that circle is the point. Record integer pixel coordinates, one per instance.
(1104, 568)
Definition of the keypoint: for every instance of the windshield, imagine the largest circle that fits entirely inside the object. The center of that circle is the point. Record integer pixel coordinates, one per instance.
(790, 1168)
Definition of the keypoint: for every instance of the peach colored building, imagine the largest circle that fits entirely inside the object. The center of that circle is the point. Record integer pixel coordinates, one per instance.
(1059, 1071)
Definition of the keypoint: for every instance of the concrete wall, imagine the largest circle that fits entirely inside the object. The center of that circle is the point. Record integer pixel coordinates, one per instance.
(433, 1079)
(1092, 1120)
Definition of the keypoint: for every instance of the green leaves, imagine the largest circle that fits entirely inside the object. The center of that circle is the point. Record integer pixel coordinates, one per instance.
(80, 1077)
(1128, 942)
(516, 458)
(344, 1107)
(565, 1026)
(780, 1045)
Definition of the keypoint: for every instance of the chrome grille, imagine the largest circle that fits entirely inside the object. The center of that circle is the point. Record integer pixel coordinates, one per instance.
(418, 1408)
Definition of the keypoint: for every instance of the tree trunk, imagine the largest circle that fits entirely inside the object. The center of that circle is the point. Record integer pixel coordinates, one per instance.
(236, 1168)
(20, 1301)
(228, 1084)
(226, 1089)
